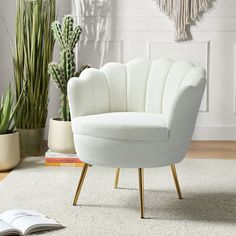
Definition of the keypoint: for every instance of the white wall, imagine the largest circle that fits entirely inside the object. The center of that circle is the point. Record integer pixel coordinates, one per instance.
(119, 30)
(7, 15)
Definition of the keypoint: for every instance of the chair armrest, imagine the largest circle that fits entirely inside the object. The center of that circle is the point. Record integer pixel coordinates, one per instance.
(88, 94)
(184, 111)
(182, 118)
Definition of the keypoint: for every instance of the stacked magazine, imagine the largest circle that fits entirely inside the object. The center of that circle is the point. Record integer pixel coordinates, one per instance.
(24, 222)
(61, 159)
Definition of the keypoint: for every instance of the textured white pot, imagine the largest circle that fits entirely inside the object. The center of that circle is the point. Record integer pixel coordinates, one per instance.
(60, 137)
(9, 151)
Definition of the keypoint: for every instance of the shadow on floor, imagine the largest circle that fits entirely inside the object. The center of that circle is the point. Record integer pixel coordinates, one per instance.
(31, 162)
(213, 207)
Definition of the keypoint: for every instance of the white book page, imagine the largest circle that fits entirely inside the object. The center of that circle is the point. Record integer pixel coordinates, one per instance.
(6, 229)
(58, 155)
(28, 221)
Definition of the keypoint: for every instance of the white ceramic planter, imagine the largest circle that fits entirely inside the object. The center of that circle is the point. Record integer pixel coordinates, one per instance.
(9, 151)
(60, 137)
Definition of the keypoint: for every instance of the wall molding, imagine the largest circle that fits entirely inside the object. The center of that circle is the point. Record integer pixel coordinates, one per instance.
(161, 24)
(234, 75)
(214, 133)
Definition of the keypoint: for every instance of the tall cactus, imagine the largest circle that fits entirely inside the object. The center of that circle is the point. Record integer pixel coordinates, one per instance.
(67, 36)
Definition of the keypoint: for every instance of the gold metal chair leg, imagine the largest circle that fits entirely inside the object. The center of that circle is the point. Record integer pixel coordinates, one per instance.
(117, 177)
(141, 191)
(176, 181)
(82, 176)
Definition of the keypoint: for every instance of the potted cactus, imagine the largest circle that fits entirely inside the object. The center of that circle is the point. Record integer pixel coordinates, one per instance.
(9, 157)
(67, 35)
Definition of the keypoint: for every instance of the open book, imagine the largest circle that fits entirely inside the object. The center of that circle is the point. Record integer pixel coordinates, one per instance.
(23, 222)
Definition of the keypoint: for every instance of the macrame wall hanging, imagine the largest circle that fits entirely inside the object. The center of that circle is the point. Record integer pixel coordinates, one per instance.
(183, 13)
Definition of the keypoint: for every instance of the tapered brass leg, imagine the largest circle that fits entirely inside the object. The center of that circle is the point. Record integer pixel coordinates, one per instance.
(117, 177)
(82, 176)
(141, 191)
(176, 181)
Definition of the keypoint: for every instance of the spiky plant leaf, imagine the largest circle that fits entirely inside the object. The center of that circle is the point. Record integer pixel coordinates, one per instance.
(33, 51)
(7, 112)
(6, 107)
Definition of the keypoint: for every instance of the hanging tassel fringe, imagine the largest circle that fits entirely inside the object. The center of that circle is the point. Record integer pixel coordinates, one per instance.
(182, 12)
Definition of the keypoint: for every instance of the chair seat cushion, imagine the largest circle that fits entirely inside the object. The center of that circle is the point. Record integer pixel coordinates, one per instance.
(122, 126)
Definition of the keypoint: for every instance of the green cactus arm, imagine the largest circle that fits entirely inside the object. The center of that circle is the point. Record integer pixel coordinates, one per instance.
(68, 110)
(75, 36)
(63, 107)
(57, 32)
(57, 74)
(67, 62)
(67, 29)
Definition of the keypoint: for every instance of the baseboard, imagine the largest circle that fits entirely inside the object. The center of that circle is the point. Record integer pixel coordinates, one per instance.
(214, 133)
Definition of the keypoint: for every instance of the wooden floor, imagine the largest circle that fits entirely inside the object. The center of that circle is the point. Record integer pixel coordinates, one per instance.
(212, 150)
(200, 150)
(3, 175)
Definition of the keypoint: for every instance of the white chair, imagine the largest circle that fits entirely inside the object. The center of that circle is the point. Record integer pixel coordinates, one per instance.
(136, 115)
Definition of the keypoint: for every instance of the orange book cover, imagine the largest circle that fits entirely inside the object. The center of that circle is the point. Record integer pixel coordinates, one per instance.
(62, 160)
(65, 164)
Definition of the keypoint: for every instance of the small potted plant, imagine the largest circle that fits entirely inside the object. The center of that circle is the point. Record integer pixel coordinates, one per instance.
(9, 139)
(60, 137)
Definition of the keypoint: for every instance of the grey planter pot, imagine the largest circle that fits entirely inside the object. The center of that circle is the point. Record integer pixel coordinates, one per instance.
(31, 141)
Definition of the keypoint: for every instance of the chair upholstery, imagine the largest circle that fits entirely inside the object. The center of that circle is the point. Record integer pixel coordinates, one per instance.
(123, 126)
(140, 114)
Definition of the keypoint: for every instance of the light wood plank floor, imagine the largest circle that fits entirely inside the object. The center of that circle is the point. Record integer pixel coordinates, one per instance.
(212, 150)
(3, 175)
(200, 150)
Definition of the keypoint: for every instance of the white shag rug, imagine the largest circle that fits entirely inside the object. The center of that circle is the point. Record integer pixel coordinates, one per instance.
(208, 207)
